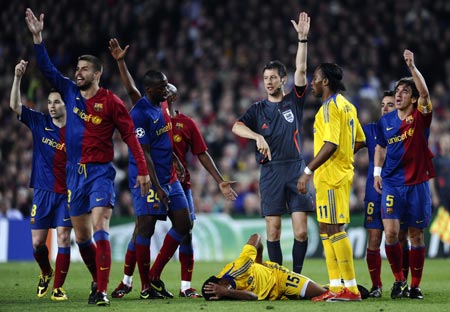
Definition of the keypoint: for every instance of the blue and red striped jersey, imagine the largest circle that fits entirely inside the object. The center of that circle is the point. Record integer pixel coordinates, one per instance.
(49, 152)
(91, 122)
(408, 158)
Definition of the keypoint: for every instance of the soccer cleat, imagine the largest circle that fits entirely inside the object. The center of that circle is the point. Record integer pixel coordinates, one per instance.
(44, 280)
(324, 297)
(400, 290)
(415, 293)
(101, 299)
(91, 299)
(150, 293)
(345, 295)
(161, 289)
(58, 294)
(375, 292)
(190, 293)
(121, 290)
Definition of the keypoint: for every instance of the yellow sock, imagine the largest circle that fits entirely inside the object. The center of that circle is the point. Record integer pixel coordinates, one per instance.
(332, 265)
(344, 255)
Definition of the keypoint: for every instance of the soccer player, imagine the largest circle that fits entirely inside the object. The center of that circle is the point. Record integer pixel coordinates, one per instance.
(187, 136)
(154, 131)
(372, 203)
(249, 278)
(402, 145)
(93, 113)
(337, 135)
(48, 179)
(276, 126)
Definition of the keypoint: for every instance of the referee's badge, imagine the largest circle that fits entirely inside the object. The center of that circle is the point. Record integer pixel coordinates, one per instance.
(288, 115)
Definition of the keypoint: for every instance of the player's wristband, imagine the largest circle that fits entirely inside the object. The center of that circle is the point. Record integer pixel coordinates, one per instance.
(377, 171)
(307, 171)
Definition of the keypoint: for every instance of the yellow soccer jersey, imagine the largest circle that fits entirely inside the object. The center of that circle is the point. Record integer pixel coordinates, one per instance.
(268, 281)
(337, 122)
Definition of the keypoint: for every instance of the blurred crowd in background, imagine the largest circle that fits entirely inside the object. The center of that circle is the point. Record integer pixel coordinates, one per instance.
(214, 52)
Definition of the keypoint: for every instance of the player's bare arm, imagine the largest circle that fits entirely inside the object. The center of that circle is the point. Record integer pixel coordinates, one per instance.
(35, 25)
(322, 156)
(119, 55)
(220, 291)
(302, 29)
(424, 102)
(379, 156)
(224, 186)
(179, 168)
(15, 99)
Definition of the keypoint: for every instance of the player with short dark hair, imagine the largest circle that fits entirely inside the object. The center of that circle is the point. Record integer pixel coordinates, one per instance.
(154, 131)
(403, 167)
(337, 136)
(93, 113)
(186, 136)
(275, 124)
(372, 203)
(48, 179)
(249, 278)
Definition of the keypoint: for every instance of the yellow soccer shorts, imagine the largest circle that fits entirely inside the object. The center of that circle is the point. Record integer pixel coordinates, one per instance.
(333, 204)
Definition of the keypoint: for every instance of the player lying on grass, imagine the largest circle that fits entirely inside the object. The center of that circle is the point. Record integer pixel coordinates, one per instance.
(248, 278)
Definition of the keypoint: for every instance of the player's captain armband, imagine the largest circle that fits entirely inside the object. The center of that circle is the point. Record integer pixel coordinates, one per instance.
(424, 108)
(377, 171)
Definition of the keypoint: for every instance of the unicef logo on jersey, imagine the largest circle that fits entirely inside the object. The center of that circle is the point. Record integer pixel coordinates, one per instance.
(140, 132)
(288, 115)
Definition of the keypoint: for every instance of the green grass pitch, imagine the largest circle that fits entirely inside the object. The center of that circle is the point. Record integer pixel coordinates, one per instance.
(18, 281)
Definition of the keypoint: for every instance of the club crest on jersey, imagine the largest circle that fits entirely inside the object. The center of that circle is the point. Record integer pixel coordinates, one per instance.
(409, 119)
(250, 280)
(179, 125)
(288, 115)
(98, 107)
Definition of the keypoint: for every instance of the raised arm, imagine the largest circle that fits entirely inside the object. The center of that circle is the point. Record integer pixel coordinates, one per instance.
(35, 25)
(119, 55)
(15, 102)
(424, 103)
(302, 28)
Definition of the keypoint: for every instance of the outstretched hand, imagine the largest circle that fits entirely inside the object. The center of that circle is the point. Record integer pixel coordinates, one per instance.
(302, 27)
(21, 68)
(116, 51)
(227, 190)
(34, 25)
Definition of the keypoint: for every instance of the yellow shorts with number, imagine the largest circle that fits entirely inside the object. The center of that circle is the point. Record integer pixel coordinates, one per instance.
(333, 205)
(288, 285)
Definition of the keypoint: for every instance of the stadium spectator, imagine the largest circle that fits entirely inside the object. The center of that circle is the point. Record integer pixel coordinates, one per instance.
(275, 124)
(8, 212)
(48, 179)
(440, 187)
(337, 136)
(94, 114)
(403, 166)
(249, 278)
